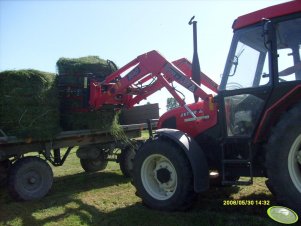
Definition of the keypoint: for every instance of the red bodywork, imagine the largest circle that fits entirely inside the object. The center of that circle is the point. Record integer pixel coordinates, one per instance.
(206, 113)
(273, 113)
(283, 9)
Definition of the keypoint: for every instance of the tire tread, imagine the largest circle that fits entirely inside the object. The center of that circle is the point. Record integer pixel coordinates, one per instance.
(287, 125)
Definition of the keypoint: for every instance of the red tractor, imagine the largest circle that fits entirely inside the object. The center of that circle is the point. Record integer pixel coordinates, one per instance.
(250, 128)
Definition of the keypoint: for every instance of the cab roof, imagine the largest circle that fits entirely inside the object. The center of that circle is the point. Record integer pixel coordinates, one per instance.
(267, 13)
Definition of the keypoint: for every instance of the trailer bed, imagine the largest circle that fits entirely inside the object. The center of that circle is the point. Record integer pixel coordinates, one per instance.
(11, 146)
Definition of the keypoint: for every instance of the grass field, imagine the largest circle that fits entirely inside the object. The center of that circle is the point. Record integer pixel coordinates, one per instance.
(107, 198)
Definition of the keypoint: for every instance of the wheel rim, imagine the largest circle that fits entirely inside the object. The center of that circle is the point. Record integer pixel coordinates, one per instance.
(294, 163)
(31, 180)
(159, 177)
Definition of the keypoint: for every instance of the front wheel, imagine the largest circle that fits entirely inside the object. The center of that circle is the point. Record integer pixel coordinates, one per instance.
(163, 176)
(283, 160)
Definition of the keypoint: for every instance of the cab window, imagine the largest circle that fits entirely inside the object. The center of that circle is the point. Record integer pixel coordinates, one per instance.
(288, 35)
(247, 64)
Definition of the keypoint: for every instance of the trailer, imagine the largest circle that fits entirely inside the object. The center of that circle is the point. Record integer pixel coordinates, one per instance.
(24, 163)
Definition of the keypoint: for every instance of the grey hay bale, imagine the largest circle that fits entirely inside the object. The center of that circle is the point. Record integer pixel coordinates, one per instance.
(29, 106)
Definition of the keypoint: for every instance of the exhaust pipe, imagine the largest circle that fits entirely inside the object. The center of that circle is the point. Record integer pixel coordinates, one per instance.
(196, 71)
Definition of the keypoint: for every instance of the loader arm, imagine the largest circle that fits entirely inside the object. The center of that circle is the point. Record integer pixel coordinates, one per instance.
(186, 66)
(148, 73)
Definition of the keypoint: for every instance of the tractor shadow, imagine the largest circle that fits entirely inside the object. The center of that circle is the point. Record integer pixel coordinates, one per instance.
(253, 200)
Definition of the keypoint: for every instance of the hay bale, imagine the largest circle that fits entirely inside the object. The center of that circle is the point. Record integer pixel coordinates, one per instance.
(87, 120)
(35, 104)
(75, 113)
(29, 106)
(82, 66)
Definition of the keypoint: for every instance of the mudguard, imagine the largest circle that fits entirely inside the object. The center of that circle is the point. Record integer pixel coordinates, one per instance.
(194, 154)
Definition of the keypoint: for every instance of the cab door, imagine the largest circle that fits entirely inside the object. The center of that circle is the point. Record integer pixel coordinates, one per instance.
(246, 84)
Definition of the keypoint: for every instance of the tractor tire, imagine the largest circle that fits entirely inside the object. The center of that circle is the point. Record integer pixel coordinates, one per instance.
(93, 165)
(283, 159)
(30, 178)
(163, 176)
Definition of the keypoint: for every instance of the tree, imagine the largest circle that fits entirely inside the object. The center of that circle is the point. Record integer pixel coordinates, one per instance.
(171, 103)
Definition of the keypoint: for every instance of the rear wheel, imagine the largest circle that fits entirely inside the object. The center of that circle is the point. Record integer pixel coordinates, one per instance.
(30, 178)
(283, 160)
(163, 176)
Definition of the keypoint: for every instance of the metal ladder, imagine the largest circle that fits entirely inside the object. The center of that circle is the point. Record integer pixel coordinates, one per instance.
(246, 162)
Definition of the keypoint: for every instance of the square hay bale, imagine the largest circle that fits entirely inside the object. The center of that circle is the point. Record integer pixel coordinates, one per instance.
(29, 106)
(88, 120)
(92, 65)
(36, 104)
(75, 114)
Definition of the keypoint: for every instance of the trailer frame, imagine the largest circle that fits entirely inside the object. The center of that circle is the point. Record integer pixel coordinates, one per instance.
(96, 145)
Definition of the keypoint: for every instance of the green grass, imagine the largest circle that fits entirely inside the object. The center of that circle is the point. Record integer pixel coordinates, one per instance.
(107, 198)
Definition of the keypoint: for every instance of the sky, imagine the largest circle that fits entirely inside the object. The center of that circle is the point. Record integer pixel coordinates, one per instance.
(35, 34)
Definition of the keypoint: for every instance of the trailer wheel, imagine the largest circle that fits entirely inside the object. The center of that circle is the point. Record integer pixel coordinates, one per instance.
(93, 165)
(30, 178)
(163, 176)
(126, 161)
(126, 158)
(283, 159)
(92, 158)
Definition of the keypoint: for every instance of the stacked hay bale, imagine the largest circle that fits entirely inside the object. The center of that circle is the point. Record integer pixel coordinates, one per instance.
(73, 81)
(29, 106)
(38, 105)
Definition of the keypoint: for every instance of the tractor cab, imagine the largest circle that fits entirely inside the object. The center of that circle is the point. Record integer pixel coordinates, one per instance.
(262, 65)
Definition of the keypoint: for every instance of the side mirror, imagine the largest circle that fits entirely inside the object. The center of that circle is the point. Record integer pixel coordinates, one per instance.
(267, 28)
